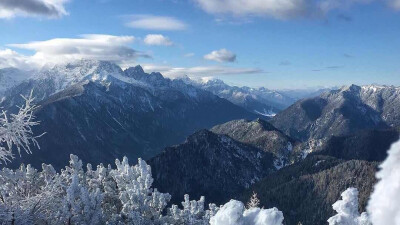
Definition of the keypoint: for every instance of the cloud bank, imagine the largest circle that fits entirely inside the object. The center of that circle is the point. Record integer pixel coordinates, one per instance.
(91, 46)
(10, 58)
(44, 8)
(221, 55)
(199, 71)
(150, 22)
(282, 9)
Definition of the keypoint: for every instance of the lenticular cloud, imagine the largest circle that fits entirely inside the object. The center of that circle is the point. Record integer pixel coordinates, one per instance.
(384, 207)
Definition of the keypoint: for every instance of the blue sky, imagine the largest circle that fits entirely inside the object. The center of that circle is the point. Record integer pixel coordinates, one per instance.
(271, 43)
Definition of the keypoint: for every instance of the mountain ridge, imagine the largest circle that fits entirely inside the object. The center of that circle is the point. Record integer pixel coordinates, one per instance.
(340, 112)
(102, 113)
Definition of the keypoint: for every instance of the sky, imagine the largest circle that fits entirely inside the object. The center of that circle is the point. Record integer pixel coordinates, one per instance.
(278, 44)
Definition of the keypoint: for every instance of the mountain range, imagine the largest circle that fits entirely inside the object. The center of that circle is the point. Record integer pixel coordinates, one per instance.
(340, 112)
(209, 164)
(100, 112)
(312, 174)
(258, 100)
(209, 138)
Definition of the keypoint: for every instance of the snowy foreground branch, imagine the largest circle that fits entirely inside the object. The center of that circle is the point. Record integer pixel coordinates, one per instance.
(16, 130)
(383, 207)
(347, 210)
(109, 196)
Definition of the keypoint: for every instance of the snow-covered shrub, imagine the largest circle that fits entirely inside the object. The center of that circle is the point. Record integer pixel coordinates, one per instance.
(16, 130)
(347, 210)
(105, 196)
(234, 213)
(193, 213)
(383, 206)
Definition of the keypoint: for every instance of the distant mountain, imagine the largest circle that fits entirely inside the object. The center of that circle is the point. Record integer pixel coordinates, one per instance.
(211, 165)
(99, 112)
(11, 77)
(258, 100)
(341, 112)
(262, 135)
(298, 94)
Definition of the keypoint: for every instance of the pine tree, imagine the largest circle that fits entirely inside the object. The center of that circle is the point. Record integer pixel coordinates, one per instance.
(254, 202)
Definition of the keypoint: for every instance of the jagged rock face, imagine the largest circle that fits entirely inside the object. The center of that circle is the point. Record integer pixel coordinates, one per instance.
(306, 190)
(210, 165)
(258, 100)
(262, 135)
(341, 112)
(100, 113)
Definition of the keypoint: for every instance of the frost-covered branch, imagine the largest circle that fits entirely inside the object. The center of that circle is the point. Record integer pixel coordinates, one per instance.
(16, 130)
(109, 196)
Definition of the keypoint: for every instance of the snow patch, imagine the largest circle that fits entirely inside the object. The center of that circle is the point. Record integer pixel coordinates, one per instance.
(234, 213)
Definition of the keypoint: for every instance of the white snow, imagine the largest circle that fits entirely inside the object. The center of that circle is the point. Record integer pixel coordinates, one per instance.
(268, 113)
(384, 207)
(10, 77)
(347, 210)
(234, 213)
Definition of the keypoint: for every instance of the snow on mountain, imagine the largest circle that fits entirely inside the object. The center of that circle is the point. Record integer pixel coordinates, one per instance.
(99, 112)
(262, 135)
(262, 101)
(10, 77)
(65, 75)
(298, 94)
(209, 164)
(340, 112)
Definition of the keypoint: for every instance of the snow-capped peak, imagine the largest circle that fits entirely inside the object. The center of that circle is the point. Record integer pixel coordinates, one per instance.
(10, 77)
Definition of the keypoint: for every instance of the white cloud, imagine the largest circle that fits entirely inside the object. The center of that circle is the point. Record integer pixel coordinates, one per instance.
(280, 9)
(150, 22)
(199, 71)
(10, 58)
(91, 46)
(395, 4)
(221, 55)
(157, 39)
(45, 8)
(328, 5)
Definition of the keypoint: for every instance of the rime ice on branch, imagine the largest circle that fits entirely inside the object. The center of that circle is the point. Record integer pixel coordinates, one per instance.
(16, 130)
(109, 196)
